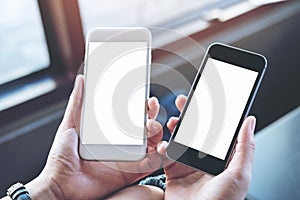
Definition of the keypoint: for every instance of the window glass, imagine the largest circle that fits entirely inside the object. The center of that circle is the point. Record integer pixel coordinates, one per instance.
(137, 12)
(23, 48)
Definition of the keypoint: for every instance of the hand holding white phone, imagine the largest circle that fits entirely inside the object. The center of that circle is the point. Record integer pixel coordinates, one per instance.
(117, 71)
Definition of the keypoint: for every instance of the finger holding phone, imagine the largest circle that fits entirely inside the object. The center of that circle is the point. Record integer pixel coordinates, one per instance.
(218, 137)
(184, 182)
(218, 102)
(76, 167)
(67, 176)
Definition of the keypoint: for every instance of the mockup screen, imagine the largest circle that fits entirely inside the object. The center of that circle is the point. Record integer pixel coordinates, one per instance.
(115, 93)
(216, 107)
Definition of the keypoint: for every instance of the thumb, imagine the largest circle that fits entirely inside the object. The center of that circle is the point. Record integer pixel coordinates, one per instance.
(77, 102)
(242, 160)
(73, 109)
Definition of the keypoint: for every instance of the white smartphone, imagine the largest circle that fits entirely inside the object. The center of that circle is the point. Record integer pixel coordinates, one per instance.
(218, 102)
(114, 111)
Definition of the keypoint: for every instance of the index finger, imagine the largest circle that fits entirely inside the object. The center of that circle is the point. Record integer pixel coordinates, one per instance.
(72, 114)
(242, 160)
(180, 101)
(153, 107)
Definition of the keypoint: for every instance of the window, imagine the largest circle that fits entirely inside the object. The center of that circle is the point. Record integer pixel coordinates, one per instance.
(189, 17)
(161, 13)
(23, 48)
(41, 50)
(23, 51)
(136, 12)
(42, 42)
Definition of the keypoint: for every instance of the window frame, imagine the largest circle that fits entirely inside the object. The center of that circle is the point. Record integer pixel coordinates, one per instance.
(64, 37)
(65, 40)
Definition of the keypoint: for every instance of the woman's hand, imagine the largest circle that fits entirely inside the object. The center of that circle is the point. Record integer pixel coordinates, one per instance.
(67, 176)
(187, 183)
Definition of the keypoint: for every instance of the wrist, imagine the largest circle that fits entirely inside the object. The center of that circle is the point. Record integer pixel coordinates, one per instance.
(43, 188)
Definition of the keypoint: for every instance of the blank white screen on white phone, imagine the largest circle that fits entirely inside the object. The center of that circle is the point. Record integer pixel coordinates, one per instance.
(237, 83)
(107, 64)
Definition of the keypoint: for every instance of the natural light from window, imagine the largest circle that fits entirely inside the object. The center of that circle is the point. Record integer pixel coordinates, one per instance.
(137, 12)
(172, 14)
(23, 48)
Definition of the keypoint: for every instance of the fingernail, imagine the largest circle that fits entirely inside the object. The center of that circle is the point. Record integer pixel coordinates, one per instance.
(75, 83)
(153, 126)
(253, 123)
(77, 90)
(169, 120)
(76, 80)
(162, 144)
(159, 145)
(74, 86)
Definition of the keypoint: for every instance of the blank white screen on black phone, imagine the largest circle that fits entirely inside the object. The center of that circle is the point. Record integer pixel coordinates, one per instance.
(237, 83)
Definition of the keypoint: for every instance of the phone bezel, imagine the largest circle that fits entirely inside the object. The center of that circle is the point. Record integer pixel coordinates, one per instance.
(107, 152)
(232, 55)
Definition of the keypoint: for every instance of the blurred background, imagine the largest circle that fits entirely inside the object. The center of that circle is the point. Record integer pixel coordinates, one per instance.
(42, 48)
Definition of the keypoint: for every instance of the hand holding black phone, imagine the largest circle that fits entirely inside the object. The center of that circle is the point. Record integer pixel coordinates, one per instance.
(217, 104)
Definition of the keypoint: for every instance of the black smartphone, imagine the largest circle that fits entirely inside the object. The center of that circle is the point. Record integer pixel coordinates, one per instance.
(218, 102)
